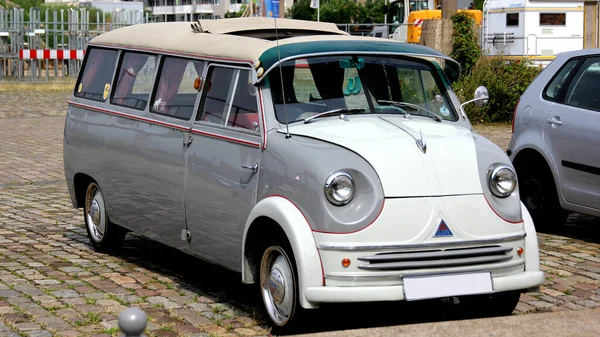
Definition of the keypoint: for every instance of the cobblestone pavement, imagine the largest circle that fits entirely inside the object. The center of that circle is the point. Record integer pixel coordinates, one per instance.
(53, 284)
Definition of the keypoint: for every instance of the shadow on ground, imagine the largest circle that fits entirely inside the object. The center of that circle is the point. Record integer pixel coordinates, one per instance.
(578, 226)
(223, 285)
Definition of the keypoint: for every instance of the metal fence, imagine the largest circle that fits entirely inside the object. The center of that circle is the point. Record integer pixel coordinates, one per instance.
(51, 44)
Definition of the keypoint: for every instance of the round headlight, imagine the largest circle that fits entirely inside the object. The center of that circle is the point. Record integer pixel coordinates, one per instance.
(339, 188)
(502, 181)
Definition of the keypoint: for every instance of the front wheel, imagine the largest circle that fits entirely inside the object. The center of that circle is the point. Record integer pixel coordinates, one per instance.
(103, 234)
(279, 287)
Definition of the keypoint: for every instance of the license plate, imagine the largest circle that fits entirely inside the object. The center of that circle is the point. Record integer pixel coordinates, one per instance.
(437, 286)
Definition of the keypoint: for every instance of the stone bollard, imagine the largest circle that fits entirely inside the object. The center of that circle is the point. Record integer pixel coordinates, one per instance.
(132, 322)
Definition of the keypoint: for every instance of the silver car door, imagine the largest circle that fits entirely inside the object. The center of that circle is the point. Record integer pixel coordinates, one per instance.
(222, 165)
(572, 133)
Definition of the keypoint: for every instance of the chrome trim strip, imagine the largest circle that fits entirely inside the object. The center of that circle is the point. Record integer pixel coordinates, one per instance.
(398, 276)
(421, 245)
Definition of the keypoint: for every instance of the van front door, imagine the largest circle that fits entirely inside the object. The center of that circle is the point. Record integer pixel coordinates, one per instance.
(222, 163)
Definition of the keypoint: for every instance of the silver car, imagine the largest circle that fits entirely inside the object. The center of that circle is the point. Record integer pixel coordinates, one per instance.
(555, 146)
(321, 167)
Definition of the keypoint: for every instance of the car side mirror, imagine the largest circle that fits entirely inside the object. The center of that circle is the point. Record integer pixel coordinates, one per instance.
(480, 99)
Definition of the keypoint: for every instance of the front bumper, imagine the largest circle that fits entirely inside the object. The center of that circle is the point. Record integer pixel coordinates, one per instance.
(525, 281)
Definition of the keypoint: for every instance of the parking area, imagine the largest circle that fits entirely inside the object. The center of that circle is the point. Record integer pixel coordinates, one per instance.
(53, 283)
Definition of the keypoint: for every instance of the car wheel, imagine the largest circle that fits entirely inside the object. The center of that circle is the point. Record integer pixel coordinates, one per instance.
(538, 193)
(279, 288)
(103, 234)
(489, 305)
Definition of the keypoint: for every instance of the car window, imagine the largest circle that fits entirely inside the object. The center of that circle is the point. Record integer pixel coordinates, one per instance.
(324, 83)
(229, 95)
(94, 82)
(177, 88)
(135, 80)
(583, 90)
(553, 89)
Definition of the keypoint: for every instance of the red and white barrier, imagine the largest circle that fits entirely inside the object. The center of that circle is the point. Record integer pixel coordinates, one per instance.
(418, 22)
(51, 54)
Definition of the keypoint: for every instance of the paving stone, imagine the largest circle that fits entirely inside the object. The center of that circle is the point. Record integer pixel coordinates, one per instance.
(27, 326)
(65, 294)
(8, 293)
(39, 333)
(53, 323)
(245, 332)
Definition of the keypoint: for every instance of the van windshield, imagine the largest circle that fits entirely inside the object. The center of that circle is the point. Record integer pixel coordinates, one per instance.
(368, 84)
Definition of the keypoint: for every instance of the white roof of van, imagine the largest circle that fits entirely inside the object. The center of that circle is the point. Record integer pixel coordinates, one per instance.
(236, 38)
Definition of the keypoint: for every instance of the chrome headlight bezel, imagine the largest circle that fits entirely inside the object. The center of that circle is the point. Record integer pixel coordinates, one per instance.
(495, 172)
(332, 181)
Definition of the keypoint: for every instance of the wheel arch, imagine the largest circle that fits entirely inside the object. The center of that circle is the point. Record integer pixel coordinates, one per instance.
(81, 181)
(273, 216)
(532, 158)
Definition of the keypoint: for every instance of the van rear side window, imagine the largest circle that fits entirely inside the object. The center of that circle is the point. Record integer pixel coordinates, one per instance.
(135, 80)
(177, 88)
(94, 83)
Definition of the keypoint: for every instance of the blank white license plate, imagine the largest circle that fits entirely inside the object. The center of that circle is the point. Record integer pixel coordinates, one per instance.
(425, 287)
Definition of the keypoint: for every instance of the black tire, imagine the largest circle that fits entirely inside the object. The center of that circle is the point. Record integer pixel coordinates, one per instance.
(105, 236)
(490, 305)
(282, 308)
(538, 193)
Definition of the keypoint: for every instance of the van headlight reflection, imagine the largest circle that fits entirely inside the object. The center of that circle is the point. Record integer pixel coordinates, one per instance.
(502, 180)
(339, 188)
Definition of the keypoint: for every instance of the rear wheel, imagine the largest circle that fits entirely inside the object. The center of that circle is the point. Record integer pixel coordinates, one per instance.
(279, 287)
(103, 234)
(539, 195)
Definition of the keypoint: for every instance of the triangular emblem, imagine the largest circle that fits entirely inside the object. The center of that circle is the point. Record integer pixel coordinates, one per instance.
(442, 230)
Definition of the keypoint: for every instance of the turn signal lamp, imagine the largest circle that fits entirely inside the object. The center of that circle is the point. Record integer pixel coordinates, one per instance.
(520, 251)
(345, 262)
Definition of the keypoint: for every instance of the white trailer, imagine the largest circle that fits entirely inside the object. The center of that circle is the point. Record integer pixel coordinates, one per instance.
(537, 30)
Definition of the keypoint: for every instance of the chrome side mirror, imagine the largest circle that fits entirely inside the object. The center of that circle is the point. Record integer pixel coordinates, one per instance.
(480, 99)
(481, 96)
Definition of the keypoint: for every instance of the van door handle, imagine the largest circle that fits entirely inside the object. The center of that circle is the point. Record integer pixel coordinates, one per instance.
(555, 121)
(251, 167)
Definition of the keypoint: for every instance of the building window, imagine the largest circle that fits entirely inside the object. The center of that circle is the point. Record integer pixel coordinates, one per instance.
(552, 19)
(512, 19)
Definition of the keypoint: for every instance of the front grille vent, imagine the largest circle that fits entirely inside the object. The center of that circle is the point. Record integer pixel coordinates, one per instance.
(440, 258)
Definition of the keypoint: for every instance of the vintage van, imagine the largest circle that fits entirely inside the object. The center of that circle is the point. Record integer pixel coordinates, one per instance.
(321, 166)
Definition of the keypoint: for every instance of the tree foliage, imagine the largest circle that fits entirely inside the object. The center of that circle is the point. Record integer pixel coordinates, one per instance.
(339, 11)
(465, 48)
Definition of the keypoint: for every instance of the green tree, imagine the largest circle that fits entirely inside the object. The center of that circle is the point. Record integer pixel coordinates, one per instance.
(465, 48)
(340, 11)
(236, 14)
(301, 11)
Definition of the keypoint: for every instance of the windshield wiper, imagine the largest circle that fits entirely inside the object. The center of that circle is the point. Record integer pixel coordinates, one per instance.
(414, 106)
(334, 111)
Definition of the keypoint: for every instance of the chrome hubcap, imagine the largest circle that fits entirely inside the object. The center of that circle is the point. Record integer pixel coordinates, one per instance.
(96, 221)
(95, 212)
(277, 285)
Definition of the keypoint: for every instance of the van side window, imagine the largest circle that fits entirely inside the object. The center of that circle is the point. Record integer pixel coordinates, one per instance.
(177, 88)
(94, 82)
(229, 95)
(135, 80)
